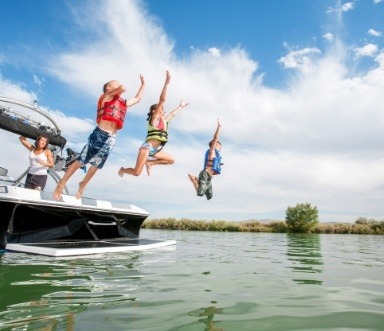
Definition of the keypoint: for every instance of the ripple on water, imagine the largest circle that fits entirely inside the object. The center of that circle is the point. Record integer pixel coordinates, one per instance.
(209, 281)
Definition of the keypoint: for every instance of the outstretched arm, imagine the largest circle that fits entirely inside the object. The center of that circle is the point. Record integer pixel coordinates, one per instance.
(216, 135)
(139, 94)
(173, 113)
(26, 143)
(159, 109)
(215, 140)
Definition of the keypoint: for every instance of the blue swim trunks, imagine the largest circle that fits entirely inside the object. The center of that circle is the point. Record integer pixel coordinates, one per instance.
(152, 150)
(100, 144)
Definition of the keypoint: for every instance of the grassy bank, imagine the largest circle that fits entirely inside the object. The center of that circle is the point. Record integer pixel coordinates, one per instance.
(361, 226)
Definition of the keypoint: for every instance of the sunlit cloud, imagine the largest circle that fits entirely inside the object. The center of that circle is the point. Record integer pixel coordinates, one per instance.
(347, 6)
(299, 59)
(214, 51)
(380, 59)
(367, 50)
(342, 8)
(374, 33)
(329, 36)
(39, 81)
(16, 91)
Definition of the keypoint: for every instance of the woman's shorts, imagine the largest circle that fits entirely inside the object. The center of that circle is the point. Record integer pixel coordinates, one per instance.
(36, 181)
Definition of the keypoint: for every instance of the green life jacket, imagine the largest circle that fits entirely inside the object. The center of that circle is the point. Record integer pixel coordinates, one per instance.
(156, 133)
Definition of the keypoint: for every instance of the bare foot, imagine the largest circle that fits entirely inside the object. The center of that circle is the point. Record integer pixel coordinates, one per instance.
(148, 165)
(80, 191)
(57, 192)
(194, 181)
(121, 172)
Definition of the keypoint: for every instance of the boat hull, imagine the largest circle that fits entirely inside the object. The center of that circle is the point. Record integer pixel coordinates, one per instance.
(30, 216)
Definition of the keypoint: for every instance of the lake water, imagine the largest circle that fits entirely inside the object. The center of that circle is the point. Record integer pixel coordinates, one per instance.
(208, 281)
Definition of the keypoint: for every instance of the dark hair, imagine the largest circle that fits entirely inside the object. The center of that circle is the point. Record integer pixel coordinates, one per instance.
(39, 138)
(211, 142)
(151, 109)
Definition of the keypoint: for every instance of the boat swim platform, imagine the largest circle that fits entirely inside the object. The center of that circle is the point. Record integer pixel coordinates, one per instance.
(78, 248)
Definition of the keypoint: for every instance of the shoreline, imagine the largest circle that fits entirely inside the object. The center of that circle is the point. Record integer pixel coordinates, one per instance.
(361, 226)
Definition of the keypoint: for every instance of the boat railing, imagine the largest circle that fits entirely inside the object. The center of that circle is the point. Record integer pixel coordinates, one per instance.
(33, 107)
(21, 124)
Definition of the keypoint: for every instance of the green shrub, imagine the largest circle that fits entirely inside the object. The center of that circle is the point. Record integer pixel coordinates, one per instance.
(378, 228)
(302, 218)
(364, 220)
(279, 227)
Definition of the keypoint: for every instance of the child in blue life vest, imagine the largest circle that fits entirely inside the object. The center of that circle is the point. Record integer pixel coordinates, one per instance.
(212, 167)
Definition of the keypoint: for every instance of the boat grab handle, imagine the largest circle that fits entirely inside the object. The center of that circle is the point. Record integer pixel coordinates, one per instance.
(101, 224)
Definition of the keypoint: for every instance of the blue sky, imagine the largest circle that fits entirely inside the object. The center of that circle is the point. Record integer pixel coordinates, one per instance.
(296, 84)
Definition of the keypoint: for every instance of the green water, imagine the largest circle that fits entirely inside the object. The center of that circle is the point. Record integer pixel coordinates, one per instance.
(208, 281)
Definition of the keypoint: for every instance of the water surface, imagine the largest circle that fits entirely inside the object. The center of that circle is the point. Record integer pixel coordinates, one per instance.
(208, 281)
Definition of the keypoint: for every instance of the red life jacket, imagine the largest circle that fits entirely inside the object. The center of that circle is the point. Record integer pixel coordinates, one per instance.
(113, 111)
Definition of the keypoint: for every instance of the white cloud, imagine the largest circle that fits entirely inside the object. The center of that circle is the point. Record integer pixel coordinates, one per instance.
(377, 1)
(139, 39)
(342, 8)
(329, 36)
(299, 59)
(39, 81)
(16, 91)
(367, 50)
(374, 33)
(347, 6)
(380, 59)
(214, 51)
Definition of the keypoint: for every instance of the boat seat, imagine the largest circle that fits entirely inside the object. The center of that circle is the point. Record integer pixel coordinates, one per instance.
(3, 171)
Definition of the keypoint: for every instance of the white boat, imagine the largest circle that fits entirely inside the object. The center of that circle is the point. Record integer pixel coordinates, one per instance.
(34, 222)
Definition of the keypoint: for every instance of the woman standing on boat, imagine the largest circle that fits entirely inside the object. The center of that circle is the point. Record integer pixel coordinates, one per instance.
(40, 159)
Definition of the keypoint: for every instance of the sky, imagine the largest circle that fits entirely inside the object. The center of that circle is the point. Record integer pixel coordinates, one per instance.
(297, 86)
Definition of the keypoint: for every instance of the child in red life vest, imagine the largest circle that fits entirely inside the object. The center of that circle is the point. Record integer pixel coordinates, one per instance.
(111, 111)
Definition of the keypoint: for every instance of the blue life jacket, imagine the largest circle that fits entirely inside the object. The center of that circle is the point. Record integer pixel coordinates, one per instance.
(215, 163)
